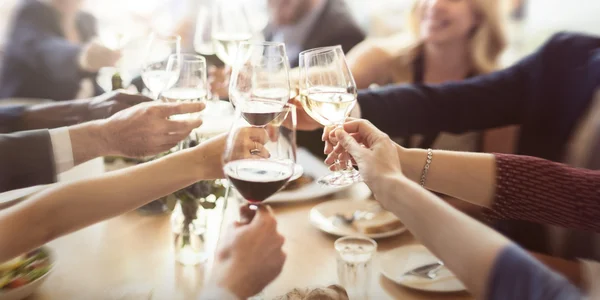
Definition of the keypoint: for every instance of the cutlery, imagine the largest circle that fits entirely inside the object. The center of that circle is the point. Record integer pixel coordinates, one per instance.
(428, 271)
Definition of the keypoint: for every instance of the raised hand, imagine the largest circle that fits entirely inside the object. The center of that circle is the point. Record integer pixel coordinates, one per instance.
(249, 256)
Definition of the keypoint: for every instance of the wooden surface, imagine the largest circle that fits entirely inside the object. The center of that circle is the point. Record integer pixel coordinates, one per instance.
(130, 257)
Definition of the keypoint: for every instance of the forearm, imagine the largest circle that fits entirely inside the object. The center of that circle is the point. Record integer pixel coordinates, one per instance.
(466, 246)
(71, 206)
(464, 175)
(54, 115)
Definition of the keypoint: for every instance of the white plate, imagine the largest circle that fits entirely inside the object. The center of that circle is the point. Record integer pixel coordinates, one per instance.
(395, 263)
(313, 167)
(12, 197)
(28, 289)
(322, 216)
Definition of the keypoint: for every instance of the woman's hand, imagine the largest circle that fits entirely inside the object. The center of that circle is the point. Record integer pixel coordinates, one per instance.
(372, 150)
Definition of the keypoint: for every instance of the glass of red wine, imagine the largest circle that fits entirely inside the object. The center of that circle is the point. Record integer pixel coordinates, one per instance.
(260, 75)
(260, 160)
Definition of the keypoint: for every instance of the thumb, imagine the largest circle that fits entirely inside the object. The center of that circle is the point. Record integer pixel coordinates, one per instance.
(348, 142)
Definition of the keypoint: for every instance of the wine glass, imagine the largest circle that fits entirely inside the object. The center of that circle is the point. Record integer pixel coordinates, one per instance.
(259, 160)
(328, 94)
(203, 43)
(155, 72)
(230, 27)
(260, 80)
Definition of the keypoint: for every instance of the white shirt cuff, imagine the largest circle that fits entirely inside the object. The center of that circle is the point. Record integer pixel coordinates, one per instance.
(217, 293)
(62, 149)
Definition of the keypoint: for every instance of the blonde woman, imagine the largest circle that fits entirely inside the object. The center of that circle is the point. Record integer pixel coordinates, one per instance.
(449, 40)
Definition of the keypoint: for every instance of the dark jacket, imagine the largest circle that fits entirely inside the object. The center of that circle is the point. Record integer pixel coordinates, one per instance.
(26, 159)
(38, 61)
(335, 26)
(546, 94)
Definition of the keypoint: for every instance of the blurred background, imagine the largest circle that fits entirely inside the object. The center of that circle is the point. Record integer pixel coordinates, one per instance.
(541, 18)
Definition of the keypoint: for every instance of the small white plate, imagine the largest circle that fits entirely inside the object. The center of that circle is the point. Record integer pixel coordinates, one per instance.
(323, 217)
(315, 168)
(395, 263)
(13, 197)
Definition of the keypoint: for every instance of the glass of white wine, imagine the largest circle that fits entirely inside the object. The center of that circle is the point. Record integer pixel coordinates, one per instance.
(328, 94)
(230, 27)
(260, 81)
(155, 74)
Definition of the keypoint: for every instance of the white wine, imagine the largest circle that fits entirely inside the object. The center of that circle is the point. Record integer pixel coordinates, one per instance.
(328, 108)
(184, 95)
(159, 80)
(226, 46)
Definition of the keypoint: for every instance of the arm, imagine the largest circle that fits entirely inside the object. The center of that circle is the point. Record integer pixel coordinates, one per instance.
(482, 102)
(512, 186)
(483, 259)
(368, 64)
(41, 48)
(26, 159)
(35, 157)
(68, 207)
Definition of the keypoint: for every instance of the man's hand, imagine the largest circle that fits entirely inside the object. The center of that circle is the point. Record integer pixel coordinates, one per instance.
(249, 256)
(107, 104)
(139, 131)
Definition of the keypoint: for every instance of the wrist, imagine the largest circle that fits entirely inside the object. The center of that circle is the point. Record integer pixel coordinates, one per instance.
(412, 161)
(89, 141)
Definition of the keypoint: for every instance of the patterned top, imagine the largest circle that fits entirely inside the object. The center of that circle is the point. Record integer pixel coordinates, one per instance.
(536, 190)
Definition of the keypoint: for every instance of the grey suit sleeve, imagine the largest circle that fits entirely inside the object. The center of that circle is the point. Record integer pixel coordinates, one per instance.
(26, 159)
(10, 117)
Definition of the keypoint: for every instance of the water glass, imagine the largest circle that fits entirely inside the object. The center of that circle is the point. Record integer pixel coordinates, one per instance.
(354, 255)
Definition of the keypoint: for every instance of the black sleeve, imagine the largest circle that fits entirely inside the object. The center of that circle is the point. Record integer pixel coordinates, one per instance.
(482, 102)
(26, 159)
(41, 47)
(10, 117)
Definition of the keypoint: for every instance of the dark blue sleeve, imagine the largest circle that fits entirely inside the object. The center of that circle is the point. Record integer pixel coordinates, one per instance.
(518, 276)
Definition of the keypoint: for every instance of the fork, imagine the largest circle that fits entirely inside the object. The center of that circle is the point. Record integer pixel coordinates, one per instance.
(359, 215)
(428, 271)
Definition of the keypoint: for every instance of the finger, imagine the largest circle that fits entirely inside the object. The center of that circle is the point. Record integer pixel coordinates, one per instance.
(246, 215)
(349, 143)
(263, 217)
(177, 108)
(129, 98)
(183, 126)
(327, 132)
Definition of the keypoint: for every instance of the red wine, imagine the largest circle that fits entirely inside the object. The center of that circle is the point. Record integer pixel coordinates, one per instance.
(257, 179)
(261, 113)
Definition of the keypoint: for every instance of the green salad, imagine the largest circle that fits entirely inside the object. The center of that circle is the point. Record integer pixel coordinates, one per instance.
(24, 269)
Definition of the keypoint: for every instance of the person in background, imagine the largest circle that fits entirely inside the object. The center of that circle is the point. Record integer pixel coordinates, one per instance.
(512, 186)
(553, 94)
(303, 25)
(35, 157)
(449, 40)
(50, 52)
(43, 216)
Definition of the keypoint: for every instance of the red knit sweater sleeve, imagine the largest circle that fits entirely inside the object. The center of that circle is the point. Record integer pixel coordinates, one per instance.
(537, 190)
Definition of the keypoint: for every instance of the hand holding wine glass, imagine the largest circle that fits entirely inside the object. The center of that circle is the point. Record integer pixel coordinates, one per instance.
(328, 94)
(265, 169)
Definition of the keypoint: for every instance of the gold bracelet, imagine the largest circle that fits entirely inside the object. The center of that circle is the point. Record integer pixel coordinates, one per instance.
(426, 167)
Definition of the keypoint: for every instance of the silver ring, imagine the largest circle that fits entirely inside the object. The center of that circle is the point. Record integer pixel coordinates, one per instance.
(255, 151)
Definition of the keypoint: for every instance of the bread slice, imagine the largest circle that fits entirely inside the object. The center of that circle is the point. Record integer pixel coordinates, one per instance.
(381, 222)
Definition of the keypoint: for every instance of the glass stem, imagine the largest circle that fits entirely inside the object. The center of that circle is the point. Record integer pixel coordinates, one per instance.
(346, 165)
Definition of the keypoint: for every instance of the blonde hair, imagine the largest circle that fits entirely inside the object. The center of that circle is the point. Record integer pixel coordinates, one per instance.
(486, 43)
